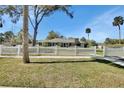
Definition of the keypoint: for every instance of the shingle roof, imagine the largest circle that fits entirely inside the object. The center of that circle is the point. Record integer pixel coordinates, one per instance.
(60, 40)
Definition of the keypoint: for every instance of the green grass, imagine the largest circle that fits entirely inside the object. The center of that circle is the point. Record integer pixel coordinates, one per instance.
(60, 73)
(99, 52)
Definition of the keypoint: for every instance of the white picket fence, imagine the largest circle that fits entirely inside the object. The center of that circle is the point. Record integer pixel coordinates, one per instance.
(114, 51)
(56, 51)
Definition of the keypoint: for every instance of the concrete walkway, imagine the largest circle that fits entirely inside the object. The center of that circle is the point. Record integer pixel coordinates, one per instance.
(48, 57)
(113, 59)
(116, 60)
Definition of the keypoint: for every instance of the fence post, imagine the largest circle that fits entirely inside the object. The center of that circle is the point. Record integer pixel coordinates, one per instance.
(94, 50)
(104, 50)
(56, 50)
(0, 50)
(19, 50)
(75, 50)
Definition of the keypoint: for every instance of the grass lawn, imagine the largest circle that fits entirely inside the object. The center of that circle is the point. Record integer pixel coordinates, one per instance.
(60, 73)
(99, 52)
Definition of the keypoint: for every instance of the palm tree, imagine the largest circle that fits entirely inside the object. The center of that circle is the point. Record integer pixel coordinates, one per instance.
(88, 31)
(25, 35)
(118, 21)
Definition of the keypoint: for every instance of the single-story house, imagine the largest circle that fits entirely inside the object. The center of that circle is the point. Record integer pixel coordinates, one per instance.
(63, 42)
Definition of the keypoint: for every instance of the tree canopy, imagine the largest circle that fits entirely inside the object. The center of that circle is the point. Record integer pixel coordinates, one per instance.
(83, 39)
(88, 30)
(52, 34)
(38, 11)
(118, 21)
(110, 41)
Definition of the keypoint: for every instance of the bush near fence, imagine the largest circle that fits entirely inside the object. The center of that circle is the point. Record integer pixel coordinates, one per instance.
(114, 45)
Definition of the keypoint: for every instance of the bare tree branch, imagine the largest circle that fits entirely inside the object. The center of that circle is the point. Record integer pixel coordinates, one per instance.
(35, 8)
(31, 21)
(41, 19)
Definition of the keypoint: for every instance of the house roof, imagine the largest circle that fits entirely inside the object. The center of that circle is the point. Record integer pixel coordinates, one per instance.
(82, 42)
(60, 40)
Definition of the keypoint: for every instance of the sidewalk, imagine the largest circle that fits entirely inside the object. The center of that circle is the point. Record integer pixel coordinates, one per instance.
(48, 57)
(116, 60)
(113, 59)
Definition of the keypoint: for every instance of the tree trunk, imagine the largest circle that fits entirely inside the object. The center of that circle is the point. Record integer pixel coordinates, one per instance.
(35, 35)
(25, 35)
(88, 36)
(119, 34)
(88, 41)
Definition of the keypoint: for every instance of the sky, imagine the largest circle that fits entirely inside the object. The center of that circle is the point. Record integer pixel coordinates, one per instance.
(97, 17)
